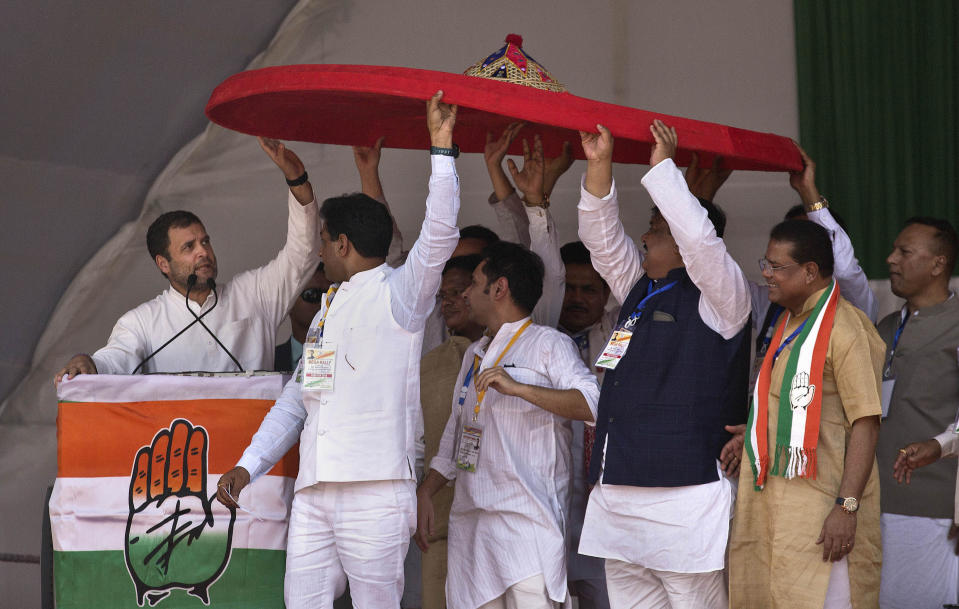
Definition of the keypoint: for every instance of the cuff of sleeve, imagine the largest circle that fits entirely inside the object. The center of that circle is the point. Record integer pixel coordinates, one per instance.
(659, 172)
(444, 467)
(442, 165)
(250, 464)
(295, 206)
(589, 202)
(947, 443)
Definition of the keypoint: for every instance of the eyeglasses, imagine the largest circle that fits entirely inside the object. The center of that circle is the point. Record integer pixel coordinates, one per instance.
(766, 265)
(312, 295)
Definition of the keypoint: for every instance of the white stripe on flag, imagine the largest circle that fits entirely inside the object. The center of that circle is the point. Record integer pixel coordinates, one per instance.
(91, 513)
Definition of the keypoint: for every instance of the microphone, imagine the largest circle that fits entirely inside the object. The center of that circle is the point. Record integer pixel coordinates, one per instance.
(190, 283)
(199, 319)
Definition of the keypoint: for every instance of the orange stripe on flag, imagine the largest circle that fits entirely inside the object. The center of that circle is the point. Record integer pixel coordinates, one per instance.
(102, 439)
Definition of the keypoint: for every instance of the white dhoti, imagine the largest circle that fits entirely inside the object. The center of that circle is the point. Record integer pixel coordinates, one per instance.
(919, 564)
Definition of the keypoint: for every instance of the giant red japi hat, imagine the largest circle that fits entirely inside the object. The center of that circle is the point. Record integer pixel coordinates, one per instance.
(354, 105)
(512, 64)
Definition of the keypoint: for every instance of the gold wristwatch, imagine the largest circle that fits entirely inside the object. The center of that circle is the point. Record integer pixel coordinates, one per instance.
(848, 504)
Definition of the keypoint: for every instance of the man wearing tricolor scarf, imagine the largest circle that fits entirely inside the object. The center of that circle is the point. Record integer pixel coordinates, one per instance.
(806, 529)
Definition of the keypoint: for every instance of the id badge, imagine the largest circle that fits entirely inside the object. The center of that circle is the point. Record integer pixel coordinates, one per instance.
(887, 386)
(319, 366)
(467, 453)
(615, 349)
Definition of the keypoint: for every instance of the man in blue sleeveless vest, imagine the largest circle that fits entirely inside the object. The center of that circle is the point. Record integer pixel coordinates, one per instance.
(677, 367)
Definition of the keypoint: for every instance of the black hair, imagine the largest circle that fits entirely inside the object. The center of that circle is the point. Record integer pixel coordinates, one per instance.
(364, 220)
(714, 212)
(467, 263)
(479, 232)
(158, 235)
(808, 241)
(947, 243)
(575, 252)
(522, 269)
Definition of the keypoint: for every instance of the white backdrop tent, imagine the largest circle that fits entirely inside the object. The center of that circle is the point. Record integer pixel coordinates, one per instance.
(731, 63)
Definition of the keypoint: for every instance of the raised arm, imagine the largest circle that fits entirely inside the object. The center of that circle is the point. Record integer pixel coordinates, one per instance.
(543, 240)
(415, 283)
(277, 283)
(512, 224)
(725, 304)
(367, 159)
(613, 254)
(853, 283)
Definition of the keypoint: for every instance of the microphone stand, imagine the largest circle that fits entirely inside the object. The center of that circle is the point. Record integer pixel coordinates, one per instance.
(216, 298)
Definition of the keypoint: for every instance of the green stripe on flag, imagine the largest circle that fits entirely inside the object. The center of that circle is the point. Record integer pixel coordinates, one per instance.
(252, 580)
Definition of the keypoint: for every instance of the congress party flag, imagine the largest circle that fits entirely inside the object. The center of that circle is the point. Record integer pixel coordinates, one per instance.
(133, 516)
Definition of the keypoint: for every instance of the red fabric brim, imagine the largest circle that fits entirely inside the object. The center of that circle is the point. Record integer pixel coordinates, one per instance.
(354, 105)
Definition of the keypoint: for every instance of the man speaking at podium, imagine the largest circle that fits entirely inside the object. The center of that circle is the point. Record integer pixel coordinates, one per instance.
(179, 330)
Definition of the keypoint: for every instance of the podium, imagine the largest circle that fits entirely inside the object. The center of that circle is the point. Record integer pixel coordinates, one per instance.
(132, 514)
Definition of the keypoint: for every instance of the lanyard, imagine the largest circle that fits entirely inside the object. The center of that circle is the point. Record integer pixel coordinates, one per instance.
(775, 311)
(330, 293)
(638, 311)
(895, 343)
(790, 338)
(475, 368)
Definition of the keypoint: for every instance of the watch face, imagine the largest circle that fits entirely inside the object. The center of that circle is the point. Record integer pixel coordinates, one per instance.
(850, 504)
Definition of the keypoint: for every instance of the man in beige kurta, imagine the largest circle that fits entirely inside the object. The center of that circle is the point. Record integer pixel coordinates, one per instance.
(774, 560)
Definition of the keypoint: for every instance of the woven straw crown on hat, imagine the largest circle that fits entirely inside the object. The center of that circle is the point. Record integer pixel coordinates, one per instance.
(512, 64)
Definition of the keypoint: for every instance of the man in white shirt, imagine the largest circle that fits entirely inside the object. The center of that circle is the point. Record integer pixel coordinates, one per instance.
(507, 445)
(244, 314)
(659, 513)
(353, 403)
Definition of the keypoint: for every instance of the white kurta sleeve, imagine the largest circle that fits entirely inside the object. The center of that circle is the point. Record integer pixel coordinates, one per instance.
(125, 349)
(725, 303)
(545, 243)
(279, 431)
(852, 280)
(511, 222)
(414, 284)
(613, 254)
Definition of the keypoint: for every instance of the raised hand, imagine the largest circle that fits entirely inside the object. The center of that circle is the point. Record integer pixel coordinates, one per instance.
(914, 456)
(290, 164)
(556, 167)
(801, 392)
(705, 183)
(495, 150)
(367, 159)
(665, 143)
(81, 363)
(440, 119)
(169, 505)
(804, 182)
(598, 148)
(530, 179)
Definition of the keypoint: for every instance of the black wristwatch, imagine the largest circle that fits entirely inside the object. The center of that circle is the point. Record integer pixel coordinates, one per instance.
(453, 152)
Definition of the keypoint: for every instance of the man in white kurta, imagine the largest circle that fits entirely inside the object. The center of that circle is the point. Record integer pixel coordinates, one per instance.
(353, 506)
(508, 520)
(248, 309)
